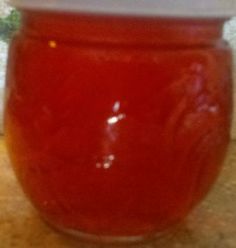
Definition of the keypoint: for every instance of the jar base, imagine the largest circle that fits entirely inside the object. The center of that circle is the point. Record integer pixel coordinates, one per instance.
(94, 238)
(102, 238)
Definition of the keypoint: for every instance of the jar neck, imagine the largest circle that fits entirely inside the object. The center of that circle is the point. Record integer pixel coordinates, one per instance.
(122, 30)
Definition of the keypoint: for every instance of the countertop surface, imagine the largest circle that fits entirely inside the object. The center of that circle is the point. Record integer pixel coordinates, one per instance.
(211, 225)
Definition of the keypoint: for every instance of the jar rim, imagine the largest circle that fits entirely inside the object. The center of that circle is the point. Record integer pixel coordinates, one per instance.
(151, 8)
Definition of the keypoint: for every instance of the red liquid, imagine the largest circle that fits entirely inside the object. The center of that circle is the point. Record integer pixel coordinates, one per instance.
(117, 126)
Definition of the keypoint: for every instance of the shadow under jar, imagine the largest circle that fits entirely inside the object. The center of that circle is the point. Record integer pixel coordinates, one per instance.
(117, 126)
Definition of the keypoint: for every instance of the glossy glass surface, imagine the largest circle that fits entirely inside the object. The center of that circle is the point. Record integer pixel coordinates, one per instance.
(114, 128)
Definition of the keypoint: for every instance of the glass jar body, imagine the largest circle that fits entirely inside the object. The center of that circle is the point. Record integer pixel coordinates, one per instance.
(117, 126)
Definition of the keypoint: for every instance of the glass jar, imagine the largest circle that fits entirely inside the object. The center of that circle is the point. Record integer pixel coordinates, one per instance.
(117, 125)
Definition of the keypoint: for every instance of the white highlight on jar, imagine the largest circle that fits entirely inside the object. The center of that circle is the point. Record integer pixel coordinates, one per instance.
(107, 162)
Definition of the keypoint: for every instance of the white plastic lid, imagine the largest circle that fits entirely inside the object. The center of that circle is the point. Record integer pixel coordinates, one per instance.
(162, 8)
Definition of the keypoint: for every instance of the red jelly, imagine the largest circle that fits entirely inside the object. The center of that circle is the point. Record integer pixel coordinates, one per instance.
(117, 126)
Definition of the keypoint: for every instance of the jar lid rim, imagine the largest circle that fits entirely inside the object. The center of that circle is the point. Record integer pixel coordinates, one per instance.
(156, 8)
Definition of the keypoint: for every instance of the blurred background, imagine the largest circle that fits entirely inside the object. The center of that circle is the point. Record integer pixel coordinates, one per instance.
(9, 23)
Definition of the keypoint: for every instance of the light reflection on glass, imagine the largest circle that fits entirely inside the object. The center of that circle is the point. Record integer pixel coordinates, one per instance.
(114, 119)
(107, 162)
(112, 129)
(116, 107)
(111, 134)
(52, 44)
(209, 108)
